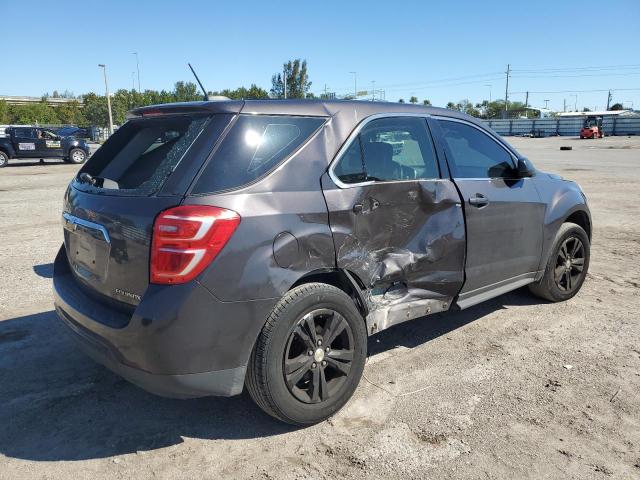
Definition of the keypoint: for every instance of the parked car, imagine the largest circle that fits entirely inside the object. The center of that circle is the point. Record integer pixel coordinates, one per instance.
(35, 142)
(210, 246)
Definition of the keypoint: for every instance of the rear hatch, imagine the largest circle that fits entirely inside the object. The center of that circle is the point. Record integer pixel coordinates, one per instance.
(110, 206)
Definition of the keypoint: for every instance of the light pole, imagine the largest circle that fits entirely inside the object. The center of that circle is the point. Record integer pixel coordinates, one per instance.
(489, 92)
(546, 104)
(575, 106)
(284, 76)
(138, 69)
(106, 89)
(355, 84)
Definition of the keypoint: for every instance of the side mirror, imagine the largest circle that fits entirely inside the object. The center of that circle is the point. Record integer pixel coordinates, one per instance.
(524, 169)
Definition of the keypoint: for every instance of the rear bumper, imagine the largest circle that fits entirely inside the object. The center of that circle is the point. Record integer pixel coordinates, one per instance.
(189, 385)
(179, 342)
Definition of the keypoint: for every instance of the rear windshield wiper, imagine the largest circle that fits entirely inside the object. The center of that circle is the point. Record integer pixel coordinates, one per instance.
(84, 177)
(99, 182)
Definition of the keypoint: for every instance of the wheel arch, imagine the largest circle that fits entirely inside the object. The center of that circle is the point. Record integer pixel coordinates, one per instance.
(581, 218)
(340, 278)
(7, 149)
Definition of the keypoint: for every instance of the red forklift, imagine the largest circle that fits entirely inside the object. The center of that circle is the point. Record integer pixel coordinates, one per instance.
(592, 127)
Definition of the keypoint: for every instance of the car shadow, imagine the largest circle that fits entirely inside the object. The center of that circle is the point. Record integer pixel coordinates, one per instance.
(57, 404)
(44, 270)
(422, 330)
(34, 162)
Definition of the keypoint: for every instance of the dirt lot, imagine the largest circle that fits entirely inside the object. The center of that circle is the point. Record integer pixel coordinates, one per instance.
(514, 388)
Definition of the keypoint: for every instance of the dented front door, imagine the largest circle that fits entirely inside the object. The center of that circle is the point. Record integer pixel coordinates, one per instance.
(404, 240)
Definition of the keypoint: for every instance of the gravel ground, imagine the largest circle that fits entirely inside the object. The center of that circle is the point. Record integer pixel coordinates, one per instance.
(513, 388)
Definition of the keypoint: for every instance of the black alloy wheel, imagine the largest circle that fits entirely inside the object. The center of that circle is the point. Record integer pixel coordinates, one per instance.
(569, 264)
(318, 355)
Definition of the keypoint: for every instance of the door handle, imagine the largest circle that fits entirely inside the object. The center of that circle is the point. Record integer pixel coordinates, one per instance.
(479, 200)
(357, 208)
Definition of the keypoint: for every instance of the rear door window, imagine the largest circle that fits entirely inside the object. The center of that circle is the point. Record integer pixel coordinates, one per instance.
(139, 157)
(255, 145)
(389, 149)
(25, 132)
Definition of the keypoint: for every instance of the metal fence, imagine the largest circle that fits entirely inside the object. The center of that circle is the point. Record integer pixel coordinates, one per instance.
(545, 127)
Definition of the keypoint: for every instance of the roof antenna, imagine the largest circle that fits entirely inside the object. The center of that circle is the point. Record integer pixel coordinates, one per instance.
(206, 96)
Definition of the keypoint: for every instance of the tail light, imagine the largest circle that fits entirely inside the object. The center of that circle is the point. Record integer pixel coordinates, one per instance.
(186, 239)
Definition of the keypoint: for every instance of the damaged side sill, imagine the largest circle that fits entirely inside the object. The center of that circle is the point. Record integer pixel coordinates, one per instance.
(382, 317)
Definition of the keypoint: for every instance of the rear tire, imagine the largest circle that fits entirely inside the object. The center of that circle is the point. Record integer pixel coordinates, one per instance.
(567, 266)
(77, 156)
(310, 355)
(4, 159)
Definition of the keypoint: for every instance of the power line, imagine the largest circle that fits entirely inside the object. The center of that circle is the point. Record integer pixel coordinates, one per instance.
(433, 82)
(572, 69)
(516, 73)
(451, 79)
(624, 74)
(582, 91)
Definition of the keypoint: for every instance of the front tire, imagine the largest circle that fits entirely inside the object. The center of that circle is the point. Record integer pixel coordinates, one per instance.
(77, 156)
(567, 265)
(4, 159)
(310, 355)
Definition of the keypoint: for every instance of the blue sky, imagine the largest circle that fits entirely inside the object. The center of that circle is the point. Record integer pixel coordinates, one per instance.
(435, 50)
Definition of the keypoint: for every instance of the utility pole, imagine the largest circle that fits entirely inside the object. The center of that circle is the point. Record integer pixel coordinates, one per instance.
(355, 84)
(609, 100)
(506, 92)
(546, 104)
(489, 92)
(138, 69)
(526, 101)
(106, 89)
(564, 107)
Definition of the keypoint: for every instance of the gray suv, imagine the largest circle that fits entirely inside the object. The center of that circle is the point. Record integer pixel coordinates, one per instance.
(210, 246)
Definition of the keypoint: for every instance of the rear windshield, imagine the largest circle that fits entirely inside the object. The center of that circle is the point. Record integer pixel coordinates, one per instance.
(140, 156)
(254, 146)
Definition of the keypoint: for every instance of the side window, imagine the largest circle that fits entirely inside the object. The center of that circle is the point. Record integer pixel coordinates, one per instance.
(254, 146)
(475, 154)
(350, 168)
(25, 132)
(387, 149)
